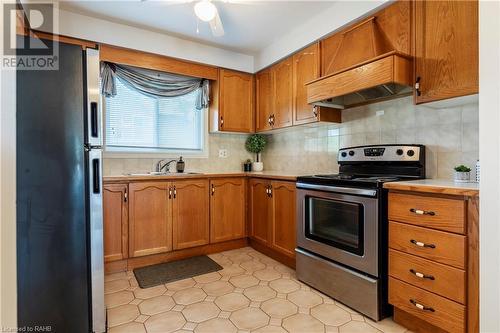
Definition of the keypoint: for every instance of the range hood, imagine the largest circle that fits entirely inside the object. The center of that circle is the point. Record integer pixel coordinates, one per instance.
(378, 73)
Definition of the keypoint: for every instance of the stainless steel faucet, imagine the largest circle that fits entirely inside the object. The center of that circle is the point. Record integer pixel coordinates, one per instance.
(166, 166)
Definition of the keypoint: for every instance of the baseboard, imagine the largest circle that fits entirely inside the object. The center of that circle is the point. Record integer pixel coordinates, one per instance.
(270, 252)
(413, 323)
(131, 263)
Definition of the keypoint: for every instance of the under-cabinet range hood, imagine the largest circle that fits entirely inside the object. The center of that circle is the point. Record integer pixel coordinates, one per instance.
(365, 68)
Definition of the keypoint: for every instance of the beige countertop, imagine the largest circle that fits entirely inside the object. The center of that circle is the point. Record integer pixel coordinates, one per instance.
(279, 175)
(442, 186)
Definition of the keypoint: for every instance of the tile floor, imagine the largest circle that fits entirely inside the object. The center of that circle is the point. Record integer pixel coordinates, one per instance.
(253, 293)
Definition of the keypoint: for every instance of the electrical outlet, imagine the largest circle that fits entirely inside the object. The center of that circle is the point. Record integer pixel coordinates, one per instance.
(380, 113)
(223, 153)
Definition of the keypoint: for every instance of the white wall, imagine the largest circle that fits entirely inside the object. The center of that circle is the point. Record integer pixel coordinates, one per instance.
(8, 287)
(85, 27)
(489, 155)
(305, 33)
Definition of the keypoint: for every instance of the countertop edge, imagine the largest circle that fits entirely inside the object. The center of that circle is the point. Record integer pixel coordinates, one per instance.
(437, 187)
(264, 175)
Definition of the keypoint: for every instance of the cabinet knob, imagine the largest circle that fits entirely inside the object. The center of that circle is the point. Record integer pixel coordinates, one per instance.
(221, 122)
(125, 195)
(213, 189)
(170, 192)
(422, 212)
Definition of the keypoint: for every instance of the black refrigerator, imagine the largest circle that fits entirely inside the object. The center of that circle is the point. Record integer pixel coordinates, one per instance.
(60, 269)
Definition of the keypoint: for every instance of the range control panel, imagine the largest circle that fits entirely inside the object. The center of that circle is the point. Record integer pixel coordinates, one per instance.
(382, 153)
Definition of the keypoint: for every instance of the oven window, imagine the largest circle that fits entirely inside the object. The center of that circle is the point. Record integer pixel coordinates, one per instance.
(336, 223)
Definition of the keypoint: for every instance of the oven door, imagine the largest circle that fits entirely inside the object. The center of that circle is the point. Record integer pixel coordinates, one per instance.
(340, 224)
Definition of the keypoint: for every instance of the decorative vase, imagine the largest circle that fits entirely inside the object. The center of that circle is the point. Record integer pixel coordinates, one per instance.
(257, 166)
(462, 177)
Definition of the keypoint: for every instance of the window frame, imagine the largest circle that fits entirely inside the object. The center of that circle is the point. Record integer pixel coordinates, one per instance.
(140, 152)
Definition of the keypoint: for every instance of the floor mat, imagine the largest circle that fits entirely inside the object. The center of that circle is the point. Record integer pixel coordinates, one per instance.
(155, 275)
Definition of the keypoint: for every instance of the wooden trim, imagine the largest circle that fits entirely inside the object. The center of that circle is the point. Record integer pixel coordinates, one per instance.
(413, 323)
(156, 62)
(274, 254)
(131, 263)
(434, 189)
(473, 265)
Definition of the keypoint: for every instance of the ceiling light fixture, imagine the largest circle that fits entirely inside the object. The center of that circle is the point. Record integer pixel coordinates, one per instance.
(205, 10)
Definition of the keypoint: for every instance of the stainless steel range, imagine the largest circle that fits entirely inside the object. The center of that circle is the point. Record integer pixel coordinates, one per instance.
(342, 224)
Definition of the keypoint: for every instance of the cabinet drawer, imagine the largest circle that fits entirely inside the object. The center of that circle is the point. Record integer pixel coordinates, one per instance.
(427, 306)
(431, 212)
(431, 276)
(443, 247)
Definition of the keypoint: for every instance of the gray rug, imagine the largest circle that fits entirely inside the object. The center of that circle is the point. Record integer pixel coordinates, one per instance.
(155, 275)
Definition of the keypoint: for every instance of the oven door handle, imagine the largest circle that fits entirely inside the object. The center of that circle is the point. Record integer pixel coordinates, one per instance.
(338, 189)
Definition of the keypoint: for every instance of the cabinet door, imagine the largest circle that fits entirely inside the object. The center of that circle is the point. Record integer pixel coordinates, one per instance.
(306, 66)
(264, 99)
(260, 211)
(446, 49)
(227, 209)
(236, 101)
(150, 224)
(284, 217)
(115, 220)
(190, 213)
(283, 93)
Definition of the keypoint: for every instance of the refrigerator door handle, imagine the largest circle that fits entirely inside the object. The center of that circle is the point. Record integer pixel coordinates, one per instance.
(94, 180)
(96, 166)
(93, 103)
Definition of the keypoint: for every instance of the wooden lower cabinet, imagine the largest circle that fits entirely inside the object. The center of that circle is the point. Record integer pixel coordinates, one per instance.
(260, 210)
(150, 223)
(115, 216)
(227, 209)
(272, 215)
(190, 219)
(284, 221)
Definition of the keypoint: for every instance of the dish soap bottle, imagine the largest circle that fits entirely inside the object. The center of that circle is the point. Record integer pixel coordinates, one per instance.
(180, 165)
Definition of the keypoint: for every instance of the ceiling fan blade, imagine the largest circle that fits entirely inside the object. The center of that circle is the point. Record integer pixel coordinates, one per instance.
(216, 26)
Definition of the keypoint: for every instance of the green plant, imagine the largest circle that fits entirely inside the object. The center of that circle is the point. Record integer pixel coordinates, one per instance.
(255, 144)
(462, 168)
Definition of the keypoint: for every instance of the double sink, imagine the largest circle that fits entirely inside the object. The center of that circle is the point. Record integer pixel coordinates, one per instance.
(155, 173)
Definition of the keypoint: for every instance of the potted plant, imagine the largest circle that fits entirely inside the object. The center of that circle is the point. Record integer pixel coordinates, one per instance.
(462, 174)
(255, 144)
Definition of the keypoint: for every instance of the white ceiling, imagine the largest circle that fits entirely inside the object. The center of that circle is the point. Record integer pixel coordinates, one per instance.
(249, 26)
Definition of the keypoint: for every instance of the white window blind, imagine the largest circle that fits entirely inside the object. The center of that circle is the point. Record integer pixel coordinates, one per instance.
(134, 121)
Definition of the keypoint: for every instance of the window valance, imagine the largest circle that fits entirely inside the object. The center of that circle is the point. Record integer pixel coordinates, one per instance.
(153, 83)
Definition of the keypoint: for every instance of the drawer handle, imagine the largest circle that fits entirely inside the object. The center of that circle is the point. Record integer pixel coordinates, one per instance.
(421, 307)
(422, 212)
(420, 244)
(421, 275)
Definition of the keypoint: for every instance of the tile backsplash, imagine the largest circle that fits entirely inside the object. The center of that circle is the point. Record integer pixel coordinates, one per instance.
(233, 143)
(450, 134)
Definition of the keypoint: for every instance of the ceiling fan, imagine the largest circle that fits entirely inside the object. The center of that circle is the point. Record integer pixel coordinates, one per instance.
(206, 11)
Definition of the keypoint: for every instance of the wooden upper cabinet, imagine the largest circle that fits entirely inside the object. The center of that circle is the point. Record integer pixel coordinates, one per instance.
(227, 209)
(236, 101)
(150, 228)
(282, 94)
(190, 213)
(264, 99)
(306, 67)
(446, 49)
(284, 217)
(353, 45)
(260, 211)
(115, 216)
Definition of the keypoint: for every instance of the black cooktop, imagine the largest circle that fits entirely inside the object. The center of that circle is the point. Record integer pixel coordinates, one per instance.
(350, 180)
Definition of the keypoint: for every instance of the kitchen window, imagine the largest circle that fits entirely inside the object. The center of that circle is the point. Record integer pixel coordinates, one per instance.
(136, 123)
